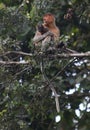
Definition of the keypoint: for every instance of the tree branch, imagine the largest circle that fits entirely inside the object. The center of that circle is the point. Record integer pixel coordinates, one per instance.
(14, 62)
(56, 98)
(16, 52)
(63, 55)
(70, 55)
(78, 95)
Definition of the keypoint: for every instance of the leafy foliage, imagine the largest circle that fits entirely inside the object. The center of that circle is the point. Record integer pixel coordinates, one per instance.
(26, 99)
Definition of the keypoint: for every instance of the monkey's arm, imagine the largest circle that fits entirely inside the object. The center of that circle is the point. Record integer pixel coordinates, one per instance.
(38, 37)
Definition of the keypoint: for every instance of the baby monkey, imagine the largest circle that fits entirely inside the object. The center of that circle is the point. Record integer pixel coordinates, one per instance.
(41, 28)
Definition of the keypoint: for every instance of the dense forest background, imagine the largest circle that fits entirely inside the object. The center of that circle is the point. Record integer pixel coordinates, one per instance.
(27, 80)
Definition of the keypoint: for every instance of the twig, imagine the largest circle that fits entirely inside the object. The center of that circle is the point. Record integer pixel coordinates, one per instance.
(17, 52)
(69, 55)
(14, 62)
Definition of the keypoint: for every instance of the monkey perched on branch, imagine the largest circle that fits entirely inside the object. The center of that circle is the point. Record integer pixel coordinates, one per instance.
(46, 32)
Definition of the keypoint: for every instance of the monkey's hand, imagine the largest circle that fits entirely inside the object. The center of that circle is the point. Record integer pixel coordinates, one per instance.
(50, 34)
(41, 37)
(42, 29)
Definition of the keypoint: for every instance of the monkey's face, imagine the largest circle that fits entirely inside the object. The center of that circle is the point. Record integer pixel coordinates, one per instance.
(48, 20)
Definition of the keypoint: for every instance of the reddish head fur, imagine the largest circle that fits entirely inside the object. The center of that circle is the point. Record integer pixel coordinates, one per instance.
(48, 19)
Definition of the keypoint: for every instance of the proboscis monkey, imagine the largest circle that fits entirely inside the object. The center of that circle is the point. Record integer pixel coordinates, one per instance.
(46, 32)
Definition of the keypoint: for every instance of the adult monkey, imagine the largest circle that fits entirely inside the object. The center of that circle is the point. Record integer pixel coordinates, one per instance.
(52, 33)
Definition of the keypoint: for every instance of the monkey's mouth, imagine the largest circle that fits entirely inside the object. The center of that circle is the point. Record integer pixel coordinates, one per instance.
(45, 23)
